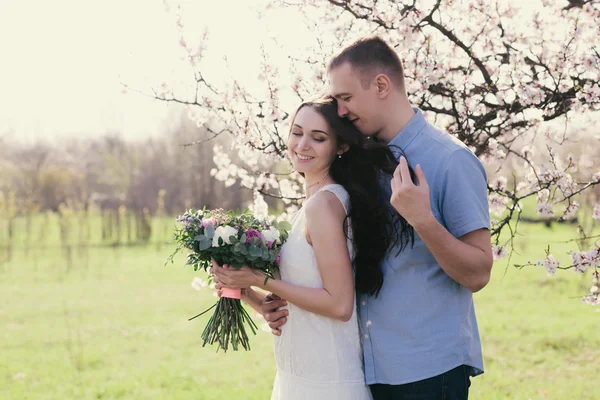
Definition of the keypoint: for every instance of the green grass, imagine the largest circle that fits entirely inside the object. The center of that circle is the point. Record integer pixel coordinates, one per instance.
(112, 324)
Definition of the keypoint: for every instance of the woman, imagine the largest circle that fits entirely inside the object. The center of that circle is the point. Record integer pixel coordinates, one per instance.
(345, 221)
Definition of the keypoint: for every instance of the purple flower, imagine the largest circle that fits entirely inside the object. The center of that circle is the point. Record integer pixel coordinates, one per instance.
(187, 220)
(252, 233)
(278, 258)
(269, 244)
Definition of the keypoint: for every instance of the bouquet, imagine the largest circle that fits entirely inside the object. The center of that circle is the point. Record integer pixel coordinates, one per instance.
(236, 240)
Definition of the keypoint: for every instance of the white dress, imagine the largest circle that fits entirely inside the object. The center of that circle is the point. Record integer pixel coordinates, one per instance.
(318, 358)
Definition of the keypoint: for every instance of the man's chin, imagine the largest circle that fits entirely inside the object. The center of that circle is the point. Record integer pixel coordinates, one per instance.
(374, 136)
(358, 126)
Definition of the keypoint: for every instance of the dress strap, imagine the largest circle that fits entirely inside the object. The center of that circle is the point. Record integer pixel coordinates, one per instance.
(340, 192)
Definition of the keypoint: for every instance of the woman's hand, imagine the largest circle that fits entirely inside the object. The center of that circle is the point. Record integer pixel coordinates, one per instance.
(229, 277)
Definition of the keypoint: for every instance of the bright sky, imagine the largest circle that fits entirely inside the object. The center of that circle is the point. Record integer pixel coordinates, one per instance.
(63, 61)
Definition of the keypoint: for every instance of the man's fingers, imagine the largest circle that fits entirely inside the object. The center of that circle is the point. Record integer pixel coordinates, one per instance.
(277, 324)
(276, 332)
(275, 304)
(271, 297)
(420, 176)
(273, 316)
(404, 171)
(397, 174)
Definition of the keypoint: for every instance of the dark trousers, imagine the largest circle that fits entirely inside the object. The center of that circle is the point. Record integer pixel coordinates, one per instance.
(451, 385)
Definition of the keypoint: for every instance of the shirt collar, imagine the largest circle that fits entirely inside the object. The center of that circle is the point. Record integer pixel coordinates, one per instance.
(410, 131)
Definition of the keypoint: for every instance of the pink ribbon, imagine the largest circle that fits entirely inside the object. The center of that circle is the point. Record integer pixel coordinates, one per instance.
(231, 293)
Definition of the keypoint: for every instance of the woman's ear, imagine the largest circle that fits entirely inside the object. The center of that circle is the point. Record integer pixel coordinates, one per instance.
(343, 148)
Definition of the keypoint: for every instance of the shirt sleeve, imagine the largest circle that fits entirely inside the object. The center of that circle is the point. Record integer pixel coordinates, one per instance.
(463, 194)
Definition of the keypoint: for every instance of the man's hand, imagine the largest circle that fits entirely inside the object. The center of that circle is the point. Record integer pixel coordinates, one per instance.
(410, 200)
(274, 317)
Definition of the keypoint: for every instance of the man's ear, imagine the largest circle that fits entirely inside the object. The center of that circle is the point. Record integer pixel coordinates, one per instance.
(384, 85)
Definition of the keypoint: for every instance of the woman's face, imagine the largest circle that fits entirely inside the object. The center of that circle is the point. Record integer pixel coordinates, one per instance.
(312, 146)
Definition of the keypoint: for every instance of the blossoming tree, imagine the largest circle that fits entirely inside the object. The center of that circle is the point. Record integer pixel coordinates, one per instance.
(520, 87)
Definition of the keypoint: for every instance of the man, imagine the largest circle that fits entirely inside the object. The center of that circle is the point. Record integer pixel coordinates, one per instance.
(420, 335)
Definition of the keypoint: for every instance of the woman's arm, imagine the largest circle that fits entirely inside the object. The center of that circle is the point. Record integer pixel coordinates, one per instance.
(248, 295)
(325, 217)
(253, 298)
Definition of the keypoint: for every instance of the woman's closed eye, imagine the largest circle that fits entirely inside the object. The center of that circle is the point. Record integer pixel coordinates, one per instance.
(315, 138)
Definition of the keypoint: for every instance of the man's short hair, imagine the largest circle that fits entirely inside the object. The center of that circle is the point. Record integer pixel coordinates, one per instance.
(371, 56)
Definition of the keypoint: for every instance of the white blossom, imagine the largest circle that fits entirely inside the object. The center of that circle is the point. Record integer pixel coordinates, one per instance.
(499, 252)
(223, 232)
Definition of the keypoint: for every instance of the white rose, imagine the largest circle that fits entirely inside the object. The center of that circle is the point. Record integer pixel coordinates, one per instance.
(223, 232)
(272, 235)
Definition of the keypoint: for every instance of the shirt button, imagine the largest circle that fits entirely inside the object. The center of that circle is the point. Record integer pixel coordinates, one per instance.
(366, 336)
(364, 303)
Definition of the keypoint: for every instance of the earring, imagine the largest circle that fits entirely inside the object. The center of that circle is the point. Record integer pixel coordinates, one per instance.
(339, 156)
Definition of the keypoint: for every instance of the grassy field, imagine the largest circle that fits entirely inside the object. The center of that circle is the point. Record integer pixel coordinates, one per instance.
(111, 323)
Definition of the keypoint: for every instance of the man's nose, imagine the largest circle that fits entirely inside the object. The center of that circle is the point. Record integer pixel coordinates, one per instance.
(342, 110)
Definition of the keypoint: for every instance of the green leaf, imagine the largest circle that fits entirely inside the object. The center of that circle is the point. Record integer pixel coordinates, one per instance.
(233, 239)
(255, 251)
(244, 250)
(255, 241)
(243, 238)
(210, 231)
(205, 244)
(237, 248)
(200, 237)
(284, 225)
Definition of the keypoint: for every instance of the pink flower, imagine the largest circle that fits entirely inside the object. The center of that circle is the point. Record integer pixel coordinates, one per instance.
(550, 263)
(209, 221)
(571, 210)
(278, 259)
(269, 244)
(252, 233)
(545, 210)
(596, 211)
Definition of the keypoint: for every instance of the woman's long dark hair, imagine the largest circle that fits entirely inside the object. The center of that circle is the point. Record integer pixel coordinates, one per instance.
(376, 226)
